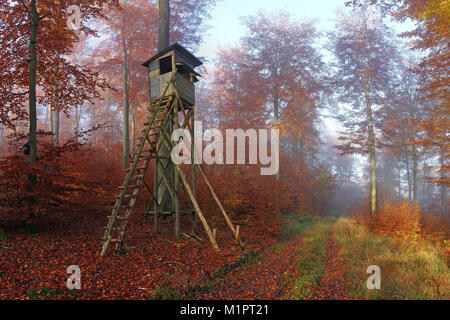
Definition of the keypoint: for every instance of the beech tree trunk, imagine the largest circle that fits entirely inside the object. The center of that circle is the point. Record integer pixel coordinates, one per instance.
(32, 101)
(164, 24)
(408, 173)
(108, 124)
(163, 194)
(55, 127)
(133, 129)
(50, 116)
(443, 187)
(95, 123)
(276, 107)
(415, 180)
(125, 97)
(371, 132)
(55, 113)
(77, 121)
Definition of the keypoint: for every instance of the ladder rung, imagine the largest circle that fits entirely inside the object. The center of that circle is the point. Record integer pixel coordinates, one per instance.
(138, 168)
(125, 196)
(159, 120)
(126, 206)
(162, 157)
(151, 133)
(112, 240)
(118, 218)
(161, 110)
(131, 187)
(159, 116)
(123, 206)
(157, 101)
(114, 228)
(164, 103)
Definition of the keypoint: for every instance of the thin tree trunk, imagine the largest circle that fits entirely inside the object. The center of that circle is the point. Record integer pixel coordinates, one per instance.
(77, 120)
(163, 151)
(55, 113)
(50, 116)
(32, 65)
(108, 124)
(47, 117)
(125, 97)
(133, 129)
(2, 138)
(302, 155)
(373, 181)
(95, 124)
(414, 172)
(164, 24)
(276, 107)
(55, 127)
(408, 173)
(443, 187)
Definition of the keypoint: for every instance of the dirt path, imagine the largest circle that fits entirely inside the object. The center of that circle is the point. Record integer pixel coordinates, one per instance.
(333, 285)
(262, 278)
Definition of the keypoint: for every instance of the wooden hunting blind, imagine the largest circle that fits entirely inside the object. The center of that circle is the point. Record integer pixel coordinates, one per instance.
(173, 60)
(172, 78)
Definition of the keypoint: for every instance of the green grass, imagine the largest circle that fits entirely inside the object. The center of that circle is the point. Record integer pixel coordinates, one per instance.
(311, 255)
(3, 235)
(409, 270)
(47, 293)
(294, 225)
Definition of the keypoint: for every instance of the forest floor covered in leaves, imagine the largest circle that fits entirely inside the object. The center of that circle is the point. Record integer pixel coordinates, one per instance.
(285, 263)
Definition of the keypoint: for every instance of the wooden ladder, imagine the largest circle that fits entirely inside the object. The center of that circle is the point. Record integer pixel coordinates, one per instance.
(135, 174)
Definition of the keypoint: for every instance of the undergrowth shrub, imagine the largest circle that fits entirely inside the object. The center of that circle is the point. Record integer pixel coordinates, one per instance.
(69, 177)
(409, 269)
(404, 221)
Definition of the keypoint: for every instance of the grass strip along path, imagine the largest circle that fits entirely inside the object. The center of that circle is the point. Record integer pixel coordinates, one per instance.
(291, 269)
(326, 259)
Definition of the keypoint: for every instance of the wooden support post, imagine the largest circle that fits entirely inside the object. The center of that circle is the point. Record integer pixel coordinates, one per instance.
(156, 186)
(227, 218)
(166, 179)
(197, 209)
(194, 170)
(237, 234)
(192, 198)
(177, 184)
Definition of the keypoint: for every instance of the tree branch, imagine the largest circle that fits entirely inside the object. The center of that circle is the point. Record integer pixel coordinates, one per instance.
(18, 94)
(26, 8)
(44, 16)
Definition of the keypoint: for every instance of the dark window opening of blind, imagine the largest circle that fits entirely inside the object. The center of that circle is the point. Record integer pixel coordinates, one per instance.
(165, 65)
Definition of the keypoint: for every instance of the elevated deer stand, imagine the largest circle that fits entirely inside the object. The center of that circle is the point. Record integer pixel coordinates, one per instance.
(172, 94)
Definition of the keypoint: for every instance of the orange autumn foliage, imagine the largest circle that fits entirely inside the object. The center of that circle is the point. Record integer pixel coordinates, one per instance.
(399, 220)
(70, 177)
(435, 226)
(404, 221)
